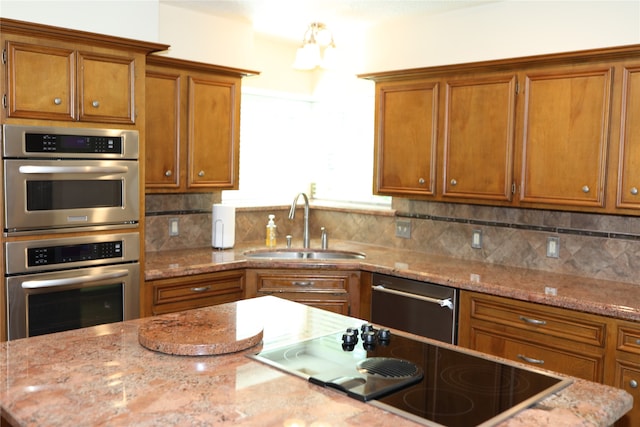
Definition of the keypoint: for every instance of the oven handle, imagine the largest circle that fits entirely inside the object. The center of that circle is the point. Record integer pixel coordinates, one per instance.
(441, 302)
(65, 281)
(30, 169)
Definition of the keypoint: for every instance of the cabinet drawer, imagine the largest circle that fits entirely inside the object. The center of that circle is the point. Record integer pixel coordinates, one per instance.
(581, 365)
(302, 283)
(551, 322)
(196, 287)
(629, 338)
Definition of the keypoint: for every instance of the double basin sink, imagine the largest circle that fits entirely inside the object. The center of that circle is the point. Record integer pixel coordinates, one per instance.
(301, 254)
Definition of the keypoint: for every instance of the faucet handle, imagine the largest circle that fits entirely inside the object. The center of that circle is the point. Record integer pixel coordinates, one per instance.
(289, 237)
(324, 238)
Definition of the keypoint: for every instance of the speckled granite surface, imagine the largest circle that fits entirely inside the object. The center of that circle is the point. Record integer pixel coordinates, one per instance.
(103, 376)
(608, 298)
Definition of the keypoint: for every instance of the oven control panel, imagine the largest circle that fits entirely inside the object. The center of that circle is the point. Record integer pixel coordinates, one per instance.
(59, 143)
(53, 255)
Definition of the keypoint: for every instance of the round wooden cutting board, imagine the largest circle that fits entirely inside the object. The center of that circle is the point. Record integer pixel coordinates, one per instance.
(201, 332)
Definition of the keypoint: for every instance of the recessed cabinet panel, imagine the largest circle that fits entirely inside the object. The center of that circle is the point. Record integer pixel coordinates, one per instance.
(565, 137)
(479, 138)
(629, 172)
(106, 88)
(41, 82)
(406, 136)
(163, 130)
(212, 154)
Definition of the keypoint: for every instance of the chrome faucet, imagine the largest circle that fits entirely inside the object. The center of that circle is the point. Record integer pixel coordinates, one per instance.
(292, 214)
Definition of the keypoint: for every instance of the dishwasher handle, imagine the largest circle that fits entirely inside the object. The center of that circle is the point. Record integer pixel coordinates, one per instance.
(441, 302)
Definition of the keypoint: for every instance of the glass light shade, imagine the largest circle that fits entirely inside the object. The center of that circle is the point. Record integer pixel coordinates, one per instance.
(330, 59)
(308, 57)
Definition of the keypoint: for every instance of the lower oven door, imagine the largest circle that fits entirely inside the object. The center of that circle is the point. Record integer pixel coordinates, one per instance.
(70, 299)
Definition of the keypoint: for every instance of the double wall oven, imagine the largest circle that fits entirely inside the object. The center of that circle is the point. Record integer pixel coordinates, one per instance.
(71, 213)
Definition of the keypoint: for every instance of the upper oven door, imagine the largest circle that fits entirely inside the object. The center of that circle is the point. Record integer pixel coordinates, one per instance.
(47, 194)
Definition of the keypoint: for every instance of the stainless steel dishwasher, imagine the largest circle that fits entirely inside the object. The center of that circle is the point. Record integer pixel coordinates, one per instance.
(420, 308)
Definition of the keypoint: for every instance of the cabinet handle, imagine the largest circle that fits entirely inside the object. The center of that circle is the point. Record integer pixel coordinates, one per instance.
(168, 173)
(634, 191)
(201, 173)
(57, 101)
(585, 189)
(638, 341)
(421, 181)
(454, 182)
(531, 360)
(201, 289)
(305, 283)
(633, 384)
(533, 321)
(95, 104)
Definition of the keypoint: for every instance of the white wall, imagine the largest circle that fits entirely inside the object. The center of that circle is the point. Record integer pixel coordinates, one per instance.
(136, 20)
(502, 30)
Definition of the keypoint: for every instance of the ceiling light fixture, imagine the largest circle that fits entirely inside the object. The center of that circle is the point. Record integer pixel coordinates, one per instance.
(309, 55)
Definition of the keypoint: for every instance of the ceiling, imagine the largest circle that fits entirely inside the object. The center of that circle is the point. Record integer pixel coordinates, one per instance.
(288, 19)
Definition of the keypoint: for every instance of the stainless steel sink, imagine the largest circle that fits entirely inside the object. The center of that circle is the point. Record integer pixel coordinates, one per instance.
(293, 254)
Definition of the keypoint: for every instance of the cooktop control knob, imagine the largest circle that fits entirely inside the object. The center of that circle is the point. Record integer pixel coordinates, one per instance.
(384, 334)
(367, 327)
(349, 338)
(369, 337)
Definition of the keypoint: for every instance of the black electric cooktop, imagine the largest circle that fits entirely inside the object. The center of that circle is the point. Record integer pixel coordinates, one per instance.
(424, 382)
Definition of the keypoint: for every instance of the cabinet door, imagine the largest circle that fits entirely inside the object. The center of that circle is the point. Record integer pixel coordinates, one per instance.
(479, 138)
(213, 115)
(565, 137)
(406, 135)
(163, 130)
(106, 88)
(629, 171)
(41, 82)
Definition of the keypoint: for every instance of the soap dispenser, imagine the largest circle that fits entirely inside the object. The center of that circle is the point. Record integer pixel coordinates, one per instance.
(271, 232)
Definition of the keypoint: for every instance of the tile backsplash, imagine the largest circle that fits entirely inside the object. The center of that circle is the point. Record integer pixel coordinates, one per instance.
(601, 246)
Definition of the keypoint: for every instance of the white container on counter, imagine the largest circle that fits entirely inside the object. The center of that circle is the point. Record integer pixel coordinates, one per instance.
(223, 227)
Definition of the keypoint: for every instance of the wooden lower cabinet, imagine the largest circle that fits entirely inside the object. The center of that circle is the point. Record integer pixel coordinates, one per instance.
(626, 372)
(187, 292)
(333, 290)
(545, 337)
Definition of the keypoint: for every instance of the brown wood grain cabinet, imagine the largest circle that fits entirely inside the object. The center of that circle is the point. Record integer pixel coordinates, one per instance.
(626, 371)
(187, 292)
(193, 125)
(333, 290)
(555, 132)
(57, 83)
(406, 136)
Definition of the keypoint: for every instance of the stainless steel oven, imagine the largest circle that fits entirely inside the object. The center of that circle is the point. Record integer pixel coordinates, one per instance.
(59, 284)
(58, 178)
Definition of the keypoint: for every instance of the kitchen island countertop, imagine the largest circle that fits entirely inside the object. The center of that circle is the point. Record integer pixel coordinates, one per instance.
(588, 294)
(102, 376)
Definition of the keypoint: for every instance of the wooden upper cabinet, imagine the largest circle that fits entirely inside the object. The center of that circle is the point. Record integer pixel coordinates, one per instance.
(565, 136)
(628, 191)
(406, 137)
(52, 83)
(479, 137)
(214, 115)
(41, 82)
(192, 125)
(163, 113)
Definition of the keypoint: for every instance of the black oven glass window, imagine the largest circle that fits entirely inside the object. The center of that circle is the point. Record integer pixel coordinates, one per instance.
(75, 308)
(73, 194)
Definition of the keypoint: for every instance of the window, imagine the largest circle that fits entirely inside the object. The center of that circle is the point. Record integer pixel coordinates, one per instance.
(288, 143)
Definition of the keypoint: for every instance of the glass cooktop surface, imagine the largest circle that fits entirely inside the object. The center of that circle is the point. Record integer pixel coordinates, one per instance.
(425, 382)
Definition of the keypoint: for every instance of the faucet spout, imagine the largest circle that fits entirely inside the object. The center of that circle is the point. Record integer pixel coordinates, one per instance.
(292, 214)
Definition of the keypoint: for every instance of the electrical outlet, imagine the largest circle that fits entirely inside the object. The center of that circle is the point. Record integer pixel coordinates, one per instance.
(403, 229)
(553, 247)
(476, 239)
(173, 227)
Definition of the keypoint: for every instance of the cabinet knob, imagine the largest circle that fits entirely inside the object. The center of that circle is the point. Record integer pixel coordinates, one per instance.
(57, 101)
(634, 191)
(421, 181)
(633, 384)
(168, 173)
(454, 182)
(201, 173)
(95, 104)
(586, 189)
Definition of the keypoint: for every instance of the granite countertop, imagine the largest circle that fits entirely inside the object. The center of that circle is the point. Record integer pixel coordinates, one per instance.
(608, 298)
(102, 376)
